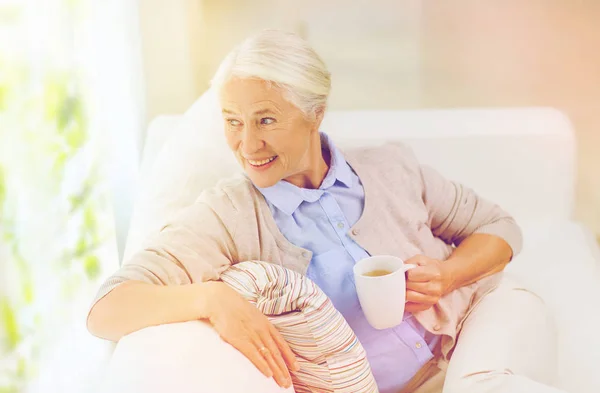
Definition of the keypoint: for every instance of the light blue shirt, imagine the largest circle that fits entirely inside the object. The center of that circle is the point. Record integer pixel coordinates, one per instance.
(319, 220)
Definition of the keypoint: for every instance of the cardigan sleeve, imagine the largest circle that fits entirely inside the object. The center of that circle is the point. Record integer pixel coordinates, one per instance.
(456, 211)
(194, 246)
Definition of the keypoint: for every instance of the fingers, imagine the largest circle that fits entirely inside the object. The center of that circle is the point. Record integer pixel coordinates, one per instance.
(423, 283)
(416, 307)
(423, 274)
(264, 358)
(427, 269)
(428, 288)
(249, 349)
(277, 365)
(273, 357)
(284, 348)
(244, 327)
(419, 260)
(417, 297)
(422, 287)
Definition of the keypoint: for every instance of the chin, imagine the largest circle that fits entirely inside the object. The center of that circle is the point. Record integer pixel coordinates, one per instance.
(263, 181)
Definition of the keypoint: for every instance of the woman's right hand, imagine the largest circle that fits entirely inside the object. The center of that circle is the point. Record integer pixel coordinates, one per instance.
(243, 326)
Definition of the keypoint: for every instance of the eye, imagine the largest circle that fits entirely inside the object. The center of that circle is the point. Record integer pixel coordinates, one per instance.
(234, 122)
(267, 121)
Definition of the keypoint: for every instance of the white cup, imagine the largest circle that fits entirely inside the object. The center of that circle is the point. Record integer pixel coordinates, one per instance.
(382, 298)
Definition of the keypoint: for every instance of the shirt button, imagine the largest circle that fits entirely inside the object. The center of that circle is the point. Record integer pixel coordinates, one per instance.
(355, 232)
(418, 345)
(340, 225)
(305, 254)
(437, 327)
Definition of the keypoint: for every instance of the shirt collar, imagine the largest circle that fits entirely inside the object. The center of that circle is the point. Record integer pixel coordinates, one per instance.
(287, 197)
(338, 168)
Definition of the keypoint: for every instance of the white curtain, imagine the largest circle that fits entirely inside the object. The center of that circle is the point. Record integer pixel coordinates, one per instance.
(51, 261)
(114, 62)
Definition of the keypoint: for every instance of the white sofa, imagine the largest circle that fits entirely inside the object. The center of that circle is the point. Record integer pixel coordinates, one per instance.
(524, 159)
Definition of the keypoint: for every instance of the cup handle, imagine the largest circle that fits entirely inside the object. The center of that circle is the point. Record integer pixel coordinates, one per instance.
(408, 266)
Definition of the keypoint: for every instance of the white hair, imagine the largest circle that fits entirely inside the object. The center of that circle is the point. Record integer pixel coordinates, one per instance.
(284, 59)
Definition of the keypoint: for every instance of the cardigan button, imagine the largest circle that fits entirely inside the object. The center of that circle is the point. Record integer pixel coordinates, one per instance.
(305, 254)
(437, 327)
(355, 232)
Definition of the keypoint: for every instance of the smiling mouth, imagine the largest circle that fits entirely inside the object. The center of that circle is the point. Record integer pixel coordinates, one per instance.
(259, 163)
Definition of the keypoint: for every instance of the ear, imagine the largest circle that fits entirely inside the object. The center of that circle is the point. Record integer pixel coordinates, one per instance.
(319, 114)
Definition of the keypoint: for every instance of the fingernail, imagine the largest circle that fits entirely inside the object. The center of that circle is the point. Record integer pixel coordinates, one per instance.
(286, 383)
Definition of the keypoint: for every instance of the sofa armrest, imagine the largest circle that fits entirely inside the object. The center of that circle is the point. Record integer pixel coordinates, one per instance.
(182, 357)
(560, 263)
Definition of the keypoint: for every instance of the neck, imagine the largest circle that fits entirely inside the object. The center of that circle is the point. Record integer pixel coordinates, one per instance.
(319, 160)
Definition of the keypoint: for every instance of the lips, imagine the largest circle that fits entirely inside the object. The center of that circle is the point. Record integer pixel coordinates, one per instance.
(261, 162)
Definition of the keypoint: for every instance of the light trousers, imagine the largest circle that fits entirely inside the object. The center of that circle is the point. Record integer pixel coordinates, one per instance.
(507, 345)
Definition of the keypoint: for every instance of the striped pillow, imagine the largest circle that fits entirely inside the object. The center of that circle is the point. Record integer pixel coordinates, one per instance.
(330, 356)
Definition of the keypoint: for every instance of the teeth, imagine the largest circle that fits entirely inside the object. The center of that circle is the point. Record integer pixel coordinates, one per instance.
(261, 162)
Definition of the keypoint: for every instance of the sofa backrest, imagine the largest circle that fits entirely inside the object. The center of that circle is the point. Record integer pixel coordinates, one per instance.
(523, 159)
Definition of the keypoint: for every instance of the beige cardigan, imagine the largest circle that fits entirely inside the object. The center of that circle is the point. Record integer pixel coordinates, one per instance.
(409, 209)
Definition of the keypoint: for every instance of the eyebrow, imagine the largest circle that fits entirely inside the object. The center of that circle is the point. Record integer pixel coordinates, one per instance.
(264, 112)
(260, 112)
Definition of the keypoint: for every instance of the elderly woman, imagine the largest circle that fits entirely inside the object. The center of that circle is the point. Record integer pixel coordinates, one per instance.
(306, 205)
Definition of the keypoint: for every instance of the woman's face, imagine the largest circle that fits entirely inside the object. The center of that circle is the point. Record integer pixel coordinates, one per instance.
(270, 137)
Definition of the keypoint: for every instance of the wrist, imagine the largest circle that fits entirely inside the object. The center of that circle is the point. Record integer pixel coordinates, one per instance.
(205, 294)
(448, 276)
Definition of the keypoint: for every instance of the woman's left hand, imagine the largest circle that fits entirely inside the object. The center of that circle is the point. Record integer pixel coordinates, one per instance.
(426, 283)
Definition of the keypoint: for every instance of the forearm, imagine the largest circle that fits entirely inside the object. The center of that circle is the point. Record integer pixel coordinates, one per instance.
(134, 305)
(478, 256)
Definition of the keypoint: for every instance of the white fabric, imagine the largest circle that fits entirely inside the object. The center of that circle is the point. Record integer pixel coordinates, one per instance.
(507, 345)
(524, 159)
(557, 262)
(560, 263)
(185, 357)
(171, 358)
(180, 159)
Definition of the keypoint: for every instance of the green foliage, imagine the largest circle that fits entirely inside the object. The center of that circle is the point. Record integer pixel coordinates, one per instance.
(2, 190)
(9, 323)
(92, 266)
(10, 15)
(51, 128)
(11, 77)
(44, 128)
(3, 96)
(65, 108)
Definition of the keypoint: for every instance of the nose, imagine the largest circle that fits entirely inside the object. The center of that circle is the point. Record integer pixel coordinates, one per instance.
(251, 141)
